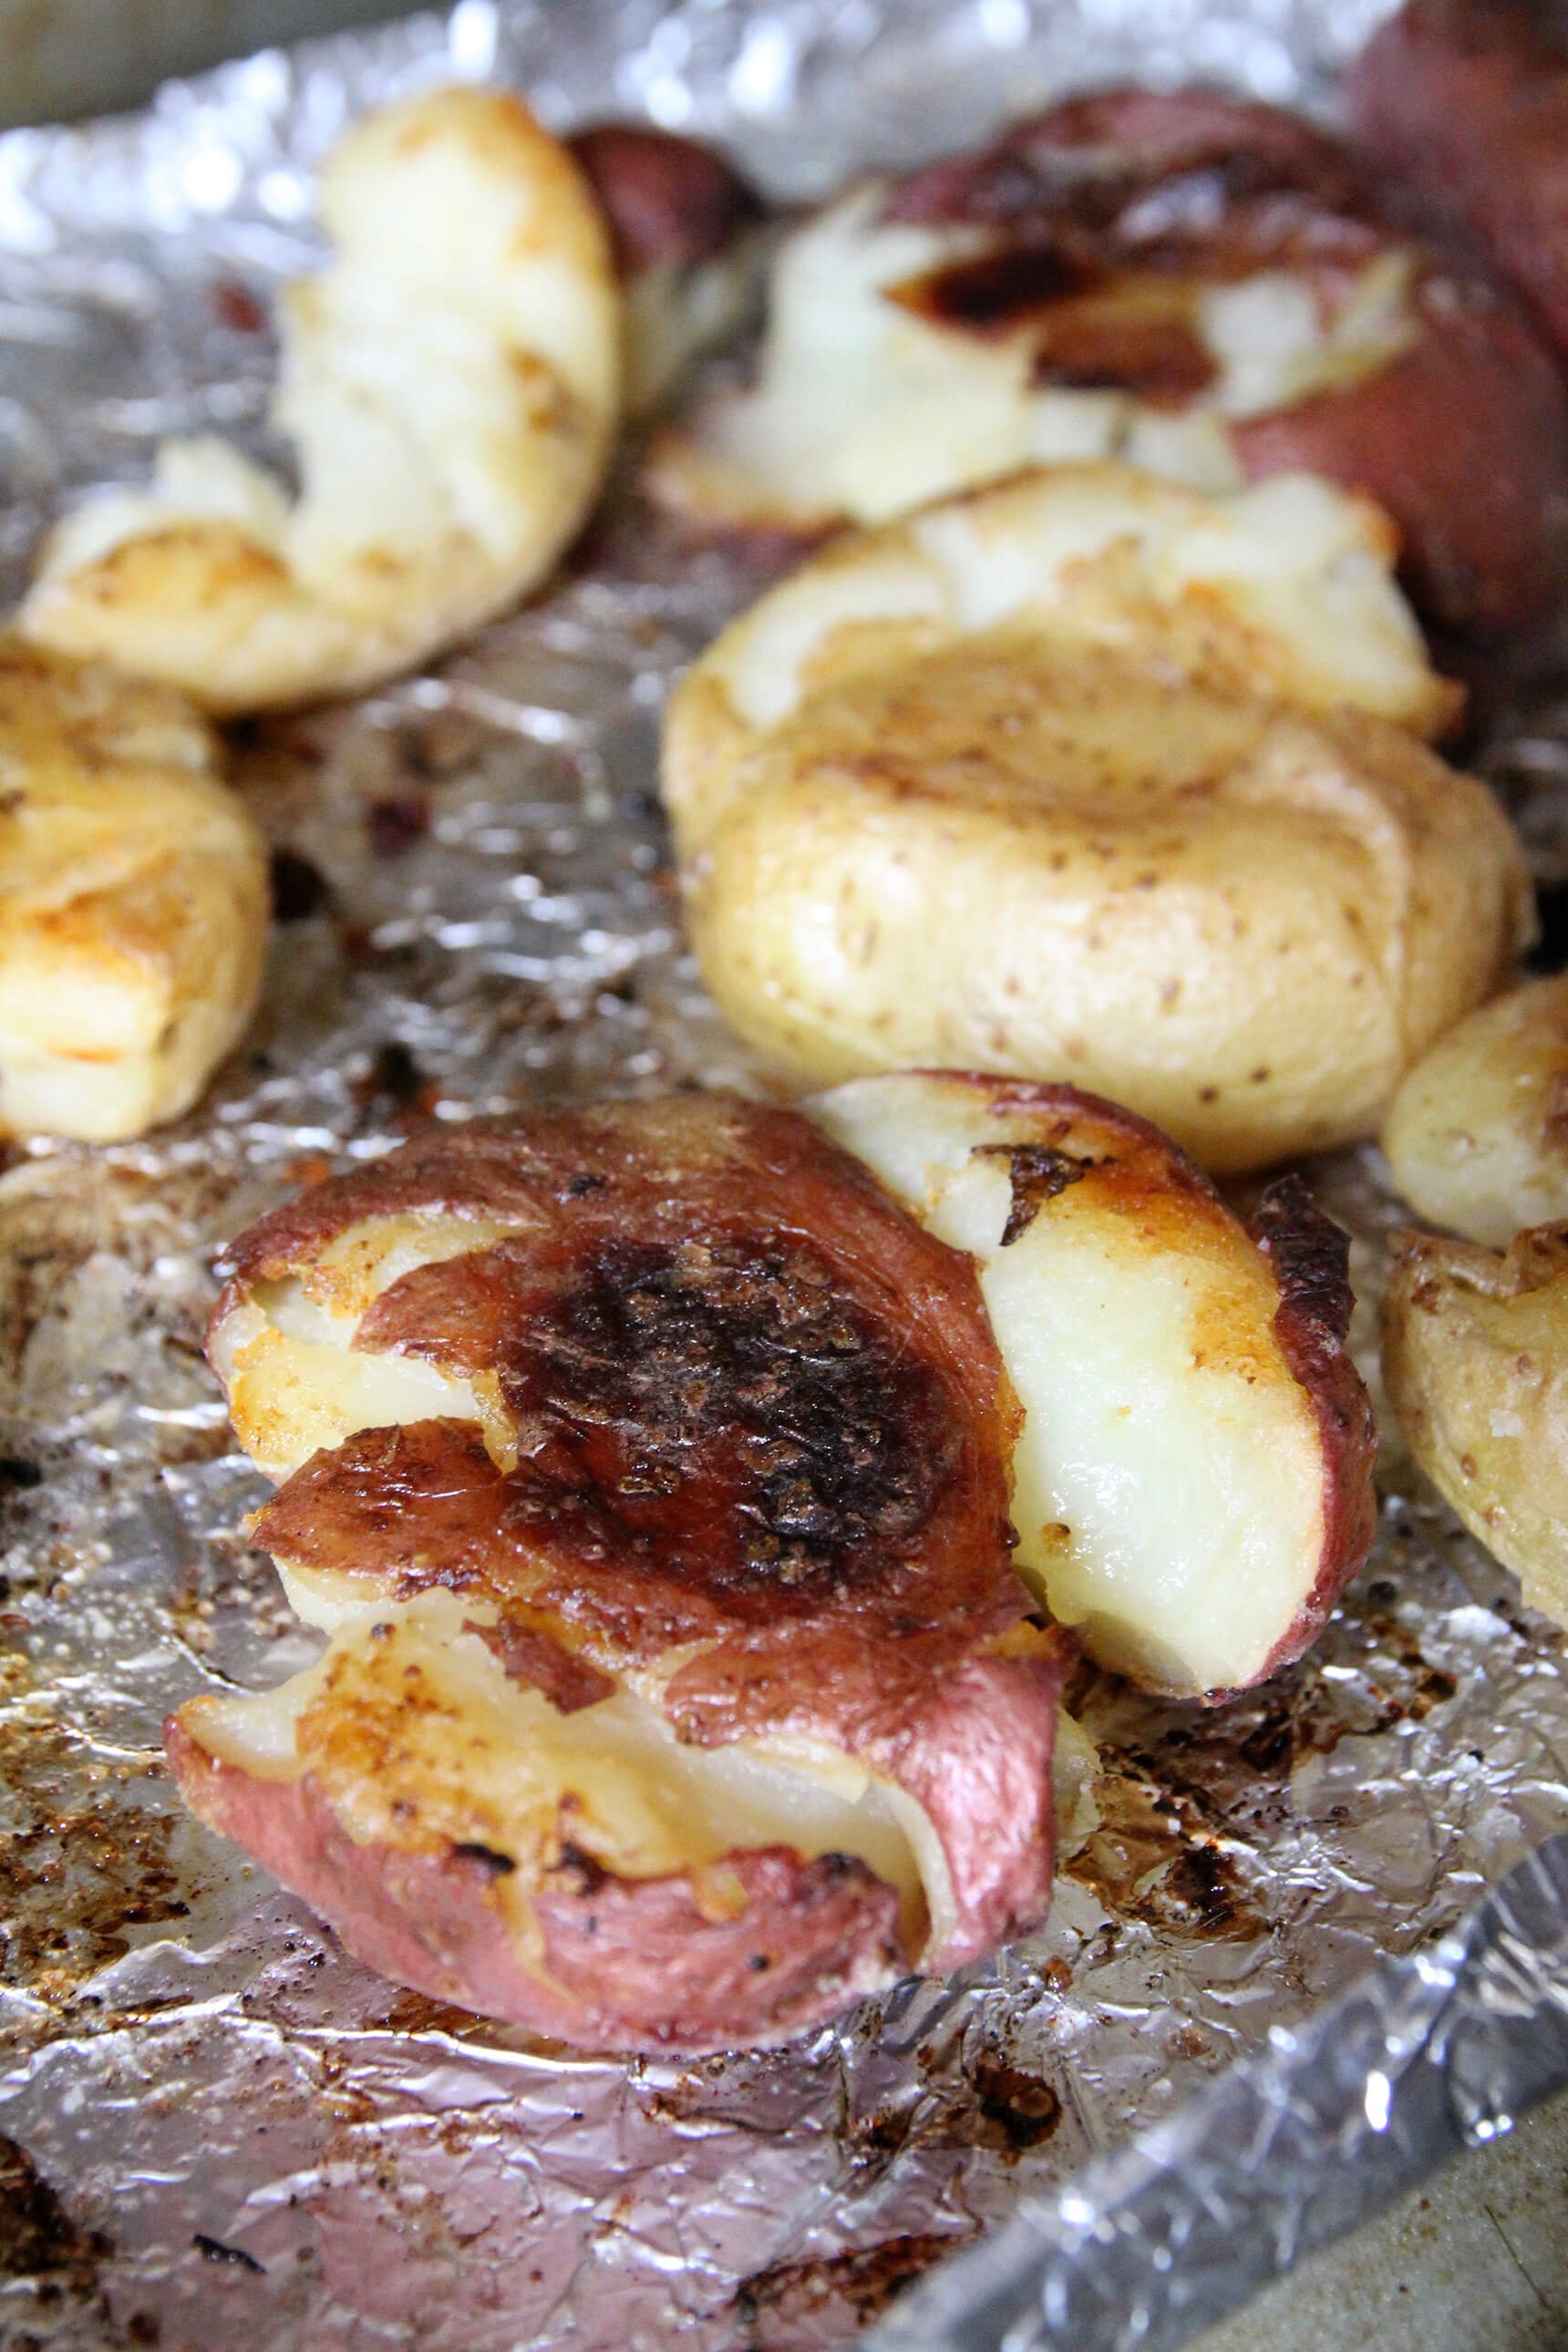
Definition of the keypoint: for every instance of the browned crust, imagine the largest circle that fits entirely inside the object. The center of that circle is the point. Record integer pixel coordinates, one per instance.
(665, 198)
(1310, 1256)
(1468, 101)
(624, 1964)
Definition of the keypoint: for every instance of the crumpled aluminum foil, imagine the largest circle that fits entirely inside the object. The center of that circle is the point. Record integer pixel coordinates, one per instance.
(219, 2131)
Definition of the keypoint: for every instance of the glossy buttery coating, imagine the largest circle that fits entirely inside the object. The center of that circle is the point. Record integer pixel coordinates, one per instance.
(451, 384)
(1202, 284)
(1088, 777)
(683, 225)
(133, 901)
(1478, 1135)
(1192, 1472)
(1468, 101)
(1475, 1358)
(724, 1708)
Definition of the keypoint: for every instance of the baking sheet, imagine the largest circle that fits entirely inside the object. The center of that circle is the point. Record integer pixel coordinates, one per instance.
(219, 2131)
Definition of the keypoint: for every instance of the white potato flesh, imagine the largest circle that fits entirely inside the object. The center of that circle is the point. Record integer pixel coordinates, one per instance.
(1478, 1135)
(863, 409)
(1170, 1491)
(450, 385)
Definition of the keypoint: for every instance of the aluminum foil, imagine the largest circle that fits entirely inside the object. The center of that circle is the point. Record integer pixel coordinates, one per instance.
(219, 2131)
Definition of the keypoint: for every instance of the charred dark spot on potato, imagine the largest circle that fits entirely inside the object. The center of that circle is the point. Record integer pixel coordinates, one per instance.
(1037, 1173)
(997, 291)
(489, 1857)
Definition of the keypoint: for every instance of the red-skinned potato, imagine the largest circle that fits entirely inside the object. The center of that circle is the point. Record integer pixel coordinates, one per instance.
(1199, 285)
(1467, 102)
(683, 226)
(1191, 1479)
(646, 1467)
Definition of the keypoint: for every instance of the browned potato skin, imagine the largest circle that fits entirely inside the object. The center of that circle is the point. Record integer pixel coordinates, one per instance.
(665, 198)
(1311, 1258)
(1475, 1356)
(1468, 101)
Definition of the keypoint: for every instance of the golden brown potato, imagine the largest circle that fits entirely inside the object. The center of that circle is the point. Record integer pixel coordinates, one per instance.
(1088, 777)
(449, 382)
(132, 901)
(1478, 1134)
(1475, 1354)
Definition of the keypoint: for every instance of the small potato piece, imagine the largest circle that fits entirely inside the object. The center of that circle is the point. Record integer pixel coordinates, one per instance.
(450, 384)
(133, 901)
(1478, 1134)
(647, 1467)
(1193, 1478)
(1088, 777)
(1475, 1356)
(1196, 284)
(683, 224)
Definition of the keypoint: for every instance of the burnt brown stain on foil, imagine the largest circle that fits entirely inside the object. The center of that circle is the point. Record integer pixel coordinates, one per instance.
(865, 2279)
(77, 1870)
(38, 2240)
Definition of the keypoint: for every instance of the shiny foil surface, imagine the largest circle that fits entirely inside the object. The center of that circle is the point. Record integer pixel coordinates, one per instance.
(217, 2133)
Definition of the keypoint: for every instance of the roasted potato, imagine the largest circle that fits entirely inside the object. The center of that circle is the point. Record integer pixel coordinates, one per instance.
(1196, 284)
(450, 387)
(646, 1467)
(133, 901)
(1466, 100)
(1192, 1473)
(684, 225)
(1088, 777)
(1475, 1356)
(1478, 1134)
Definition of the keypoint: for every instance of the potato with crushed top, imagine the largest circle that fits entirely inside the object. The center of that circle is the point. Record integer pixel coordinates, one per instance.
(133, 901)
(1475, 1355)
(1197, 284)
(1090, 777)
(1478, 1135)
(450, 385)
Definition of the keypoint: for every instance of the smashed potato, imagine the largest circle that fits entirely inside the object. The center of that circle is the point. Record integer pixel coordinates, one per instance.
(1197, 284)
(1478, 1135)
(647, 1467)
(1090, 777)
(1475, 1355)
(450, 384)
(133, 901)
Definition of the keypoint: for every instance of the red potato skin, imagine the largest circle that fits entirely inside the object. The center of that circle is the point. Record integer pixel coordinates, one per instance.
(1463, 440)
(1309, 1255)
(665, 198)
(669, 1246)
(1467, 102)
(1462, 437)
(625, 1964)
